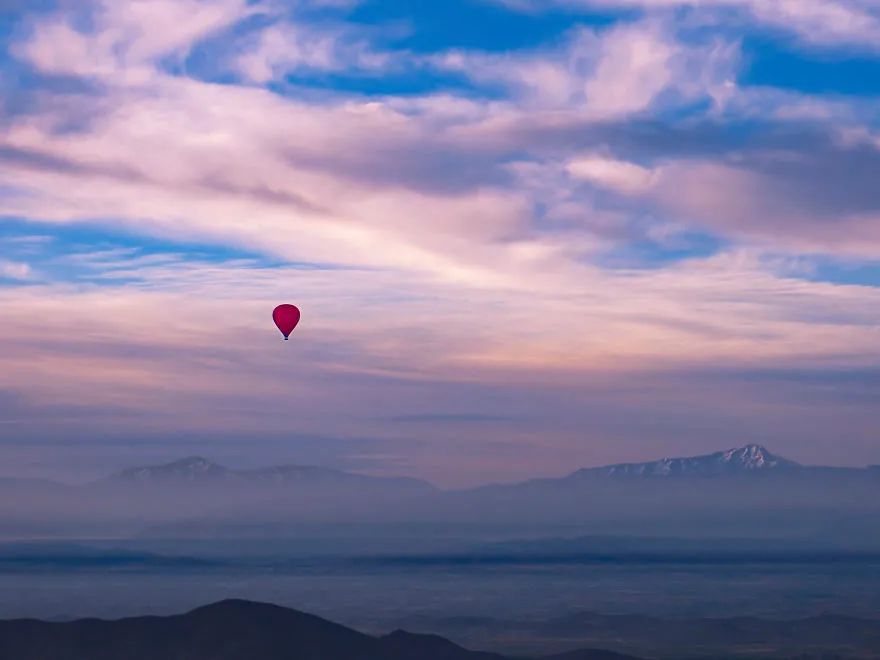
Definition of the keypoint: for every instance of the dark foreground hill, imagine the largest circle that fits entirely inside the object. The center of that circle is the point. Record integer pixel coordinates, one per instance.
(229, 630)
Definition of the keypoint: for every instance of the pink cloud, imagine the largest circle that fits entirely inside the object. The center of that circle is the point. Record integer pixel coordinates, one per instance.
(605, 74)
(15, 270)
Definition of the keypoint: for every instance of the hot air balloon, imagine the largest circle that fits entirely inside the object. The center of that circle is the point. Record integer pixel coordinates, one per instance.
(286, 317)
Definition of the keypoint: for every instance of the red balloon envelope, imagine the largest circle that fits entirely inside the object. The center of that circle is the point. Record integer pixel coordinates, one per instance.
(286, 317)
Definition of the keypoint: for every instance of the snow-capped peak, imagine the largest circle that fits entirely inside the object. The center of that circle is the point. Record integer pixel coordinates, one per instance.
(752, 457)
(747, 459)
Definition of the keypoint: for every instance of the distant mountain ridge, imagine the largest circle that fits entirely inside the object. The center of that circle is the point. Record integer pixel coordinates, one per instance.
(192, 468)
(751, 458)
(195, 469)
(746, 491)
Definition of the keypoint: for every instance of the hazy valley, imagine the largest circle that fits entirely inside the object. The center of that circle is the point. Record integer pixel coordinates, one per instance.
(633, 558)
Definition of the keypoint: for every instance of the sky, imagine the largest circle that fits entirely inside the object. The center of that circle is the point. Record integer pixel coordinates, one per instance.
(526, 235)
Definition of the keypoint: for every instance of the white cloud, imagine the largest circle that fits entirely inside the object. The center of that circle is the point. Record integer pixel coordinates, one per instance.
(621, 176)
(634, 67)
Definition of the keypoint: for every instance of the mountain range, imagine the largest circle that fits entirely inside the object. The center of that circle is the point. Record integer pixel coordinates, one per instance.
(745, 460)
(196, 469)
(747, 491)
(229, 630)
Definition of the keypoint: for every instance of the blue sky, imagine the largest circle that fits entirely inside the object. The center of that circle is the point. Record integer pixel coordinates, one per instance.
(576, 209)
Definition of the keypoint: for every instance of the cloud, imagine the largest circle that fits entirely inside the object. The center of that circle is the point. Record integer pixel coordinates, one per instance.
(840, 23)
(426, 184)
(820, 199)
(624, 177)
(833, 22)
(634, 67)
(606, 74)
(127, 38)
(288, 48)
(15, 270)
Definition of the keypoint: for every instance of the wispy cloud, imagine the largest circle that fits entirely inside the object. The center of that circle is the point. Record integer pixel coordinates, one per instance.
(15, 270)
(287, 48)
(845, 23)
